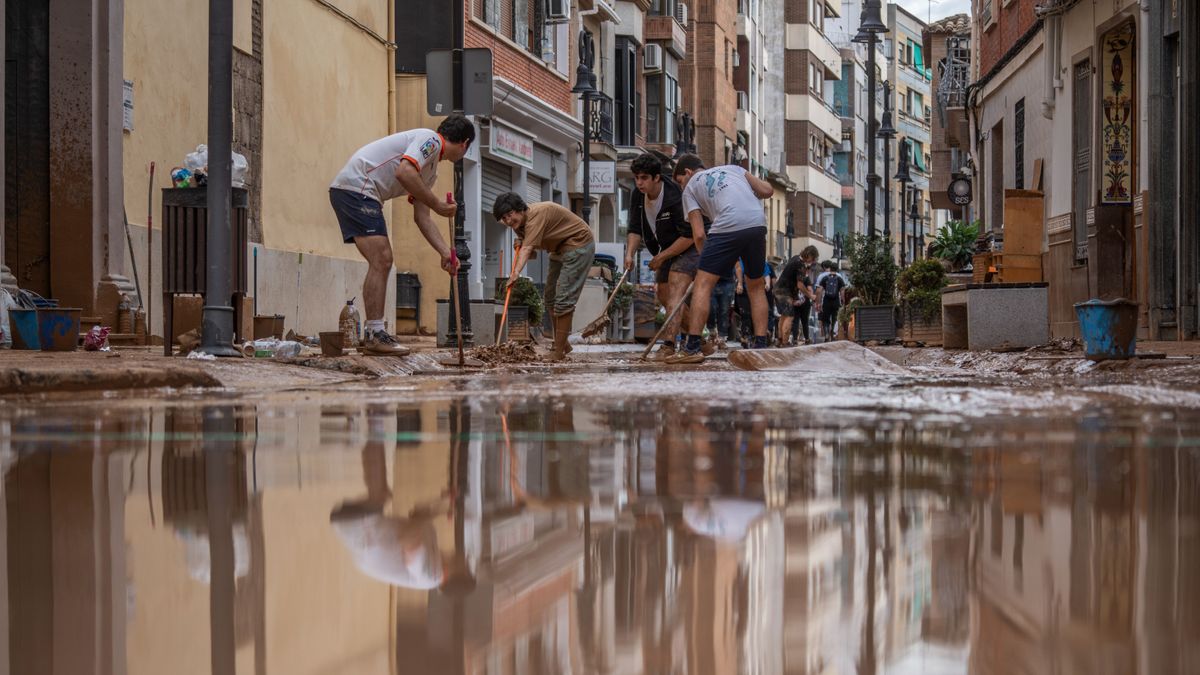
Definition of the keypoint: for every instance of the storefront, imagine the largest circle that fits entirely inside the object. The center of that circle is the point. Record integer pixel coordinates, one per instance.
(523, 148)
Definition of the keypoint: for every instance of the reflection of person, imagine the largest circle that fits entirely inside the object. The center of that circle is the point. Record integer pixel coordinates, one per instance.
(552, 228)
(398, 551)
(725, 521)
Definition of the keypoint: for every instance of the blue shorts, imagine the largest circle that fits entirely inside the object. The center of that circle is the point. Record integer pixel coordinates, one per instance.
(357, 214)
(723, 249)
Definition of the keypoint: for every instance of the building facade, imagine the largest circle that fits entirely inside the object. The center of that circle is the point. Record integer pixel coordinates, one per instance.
(948, 46)
(910, 73)
(1069, 100)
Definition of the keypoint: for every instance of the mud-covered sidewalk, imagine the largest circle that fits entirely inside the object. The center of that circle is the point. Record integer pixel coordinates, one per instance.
(1170, 364)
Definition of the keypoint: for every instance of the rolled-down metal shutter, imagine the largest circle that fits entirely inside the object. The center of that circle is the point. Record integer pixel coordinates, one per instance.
(533, 190)
(497, 179)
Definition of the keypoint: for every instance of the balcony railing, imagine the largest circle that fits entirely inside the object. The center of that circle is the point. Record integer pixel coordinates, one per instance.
(602, 118)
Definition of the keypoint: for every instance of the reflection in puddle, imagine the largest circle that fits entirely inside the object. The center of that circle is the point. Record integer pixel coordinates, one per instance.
(559, 535)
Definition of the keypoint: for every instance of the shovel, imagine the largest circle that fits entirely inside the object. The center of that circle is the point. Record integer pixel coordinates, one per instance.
(670, 317)
(461, 361)
(601, 322)
(504, 314)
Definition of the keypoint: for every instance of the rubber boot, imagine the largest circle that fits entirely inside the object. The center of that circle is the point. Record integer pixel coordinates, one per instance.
(562, 331)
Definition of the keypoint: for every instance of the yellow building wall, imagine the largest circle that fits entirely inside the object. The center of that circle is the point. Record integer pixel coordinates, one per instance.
(319, 106)
(412, 252)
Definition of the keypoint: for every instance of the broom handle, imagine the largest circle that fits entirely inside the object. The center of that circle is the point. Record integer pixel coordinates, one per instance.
(507, 297)
(613, 296)
(670, 317)
(454, 291)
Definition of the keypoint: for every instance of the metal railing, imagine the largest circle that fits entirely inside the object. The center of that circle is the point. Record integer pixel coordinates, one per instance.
(602, 118)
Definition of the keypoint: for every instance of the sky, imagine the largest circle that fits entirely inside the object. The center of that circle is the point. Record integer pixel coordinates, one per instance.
(937, 9)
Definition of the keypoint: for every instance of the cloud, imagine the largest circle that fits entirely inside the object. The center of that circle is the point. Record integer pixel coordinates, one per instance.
(932, 10)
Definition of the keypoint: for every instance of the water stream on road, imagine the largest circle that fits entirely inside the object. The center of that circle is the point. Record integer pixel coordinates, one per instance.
(523, 523)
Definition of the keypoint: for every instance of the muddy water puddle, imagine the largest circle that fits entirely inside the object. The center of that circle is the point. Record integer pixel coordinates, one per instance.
(579, 528)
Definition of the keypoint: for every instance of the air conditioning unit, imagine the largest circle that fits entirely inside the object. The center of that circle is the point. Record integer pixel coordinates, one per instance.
(681, 14)
(743, 100)
(558, 11)
(652, 58)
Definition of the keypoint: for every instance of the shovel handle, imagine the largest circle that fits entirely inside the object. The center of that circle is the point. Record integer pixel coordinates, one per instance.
(670, 317)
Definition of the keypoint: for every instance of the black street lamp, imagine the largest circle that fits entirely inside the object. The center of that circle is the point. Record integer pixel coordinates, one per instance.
(585, 86)
(869, 29)
(791, 231)
(886, 133)
(919, 226)
(903, 175)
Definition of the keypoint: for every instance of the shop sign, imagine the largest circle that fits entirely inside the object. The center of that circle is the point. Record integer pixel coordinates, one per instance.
(604, 177)
(512, 145)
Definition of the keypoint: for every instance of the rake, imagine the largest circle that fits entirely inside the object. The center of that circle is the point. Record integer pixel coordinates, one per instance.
(601, 322)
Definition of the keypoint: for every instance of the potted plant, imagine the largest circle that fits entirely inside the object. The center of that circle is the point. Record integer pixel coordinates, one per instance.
(525, 309)
(874, 272)
(955, 243)
(920, 289)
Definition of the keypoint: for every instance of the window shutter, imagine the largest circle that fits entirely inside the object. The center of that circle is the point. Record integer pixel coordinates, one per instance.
(497, 179)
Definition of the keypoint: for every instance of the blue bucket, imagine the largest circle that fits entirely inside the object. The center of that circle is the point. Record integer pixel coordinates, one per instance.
(1109, 328)
(24, 324)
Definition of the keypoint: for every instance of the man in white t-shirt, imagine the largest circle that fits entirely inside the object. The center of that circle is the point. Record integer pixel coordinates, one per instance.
(730, 197)
(398, 165)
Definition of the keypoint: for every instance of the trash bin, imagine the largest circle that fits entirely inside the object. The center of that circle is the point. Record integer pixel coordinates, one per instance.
(1109, 328)
(185, 251)
(408, 299)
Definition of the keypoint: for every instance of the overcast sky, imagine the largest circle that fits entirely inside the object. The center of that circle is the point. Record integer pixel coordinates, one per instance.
(937, 9)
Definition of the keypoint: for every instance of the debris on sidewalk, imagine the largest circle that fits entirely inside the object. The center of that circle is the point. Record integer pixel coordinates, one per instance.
(508, 353)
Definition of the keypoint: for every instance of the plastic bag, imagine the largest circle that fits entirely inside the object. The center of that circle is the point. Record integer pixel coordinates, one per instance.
(240, 167)
(96, 339)
(7, 302)
(197, 162)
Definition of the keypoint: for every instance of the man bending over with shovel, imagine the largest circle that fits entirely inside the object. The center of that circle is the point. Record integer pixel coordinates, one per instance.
(730, 197)
(401, 164)
(657, 219)
(552, 228)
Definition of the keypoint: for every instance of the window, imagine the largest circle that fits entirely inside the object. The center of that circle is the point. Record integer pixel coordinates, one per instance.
(662, 102)
(918, 155)
(816, 83)
(625, 103)
(663, 7)
(521, 21)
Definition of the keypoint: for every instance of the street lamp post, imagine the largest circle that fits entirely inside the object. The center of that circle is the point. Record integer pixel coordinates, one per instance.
(919, 226)
(903, 175)
(585, 86)
(886, 133)
(869, 29)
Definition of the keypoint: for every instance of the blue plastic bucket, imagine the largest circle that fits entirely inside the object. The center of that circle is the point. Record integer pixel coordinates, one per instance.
(24, 323)
(1109, 328)
(58, 329)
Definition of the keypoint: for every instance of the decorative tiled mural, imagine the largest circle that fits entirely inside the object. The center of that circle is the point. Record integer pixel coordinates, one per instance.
(1116, 135)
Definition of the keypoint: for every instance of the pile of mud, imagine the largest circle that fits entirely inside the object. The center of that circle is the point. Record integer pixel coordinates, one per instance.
(508, 353)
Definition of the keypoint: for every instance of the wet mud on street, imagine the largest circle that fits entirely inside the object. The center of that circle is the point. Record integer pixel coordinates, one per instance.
(614, 517)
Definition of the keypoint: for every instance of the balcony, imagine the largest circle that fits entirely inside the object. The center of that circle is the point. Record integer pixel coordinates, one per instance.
(809, 108)
(669, 32)
(602, 134)
(820, 184)
(912, 127)
(806, 36)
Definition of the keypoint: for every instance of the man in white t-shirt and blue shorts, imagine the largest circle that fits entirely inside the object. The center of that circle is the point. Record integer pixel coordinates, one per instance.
(398, 165)
(730, 197)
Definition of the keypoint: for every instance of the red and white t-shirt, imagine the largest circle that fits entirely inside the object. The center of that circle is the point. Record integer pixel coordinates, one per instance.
(372, 170)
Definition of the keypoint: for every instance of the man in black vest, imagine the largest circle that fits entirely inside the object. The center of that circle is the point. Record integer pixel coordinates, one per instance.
(656, 219)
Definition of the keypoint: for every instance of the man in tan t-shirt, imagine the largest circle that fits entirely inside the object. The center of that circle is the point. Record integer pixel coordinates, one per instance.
(552, 228)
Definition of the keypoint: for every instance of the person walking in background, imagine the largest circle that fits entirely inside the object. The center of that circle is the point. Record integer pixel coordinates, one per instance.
(793, 296)
(832, 289)
(401, 164)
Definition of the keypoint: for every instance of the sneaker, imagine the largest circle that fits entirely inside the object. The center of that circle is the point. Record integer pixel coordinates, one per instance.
(685, 358)
(381, 343)
(708, 347)
(664, 352)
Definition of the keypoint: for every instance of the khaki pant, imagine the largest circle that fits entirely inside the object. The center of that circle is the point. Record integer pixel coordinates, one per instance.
(565, 278)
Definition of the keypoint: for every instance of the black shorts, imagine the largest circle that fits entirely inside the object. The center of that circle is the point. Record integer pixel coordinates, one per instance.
(724, 249)
(784, 304)
(357, 214)
(684, 263)
(829, 313)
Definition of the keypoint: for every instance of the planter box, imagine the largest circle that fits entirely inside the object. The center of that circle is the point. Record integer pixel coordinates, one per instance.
(875, 322)
(917, 329)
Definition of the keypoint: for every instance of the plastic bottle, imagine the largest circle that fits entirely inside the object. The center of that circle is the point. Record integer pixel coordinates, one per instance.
(350, 324)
